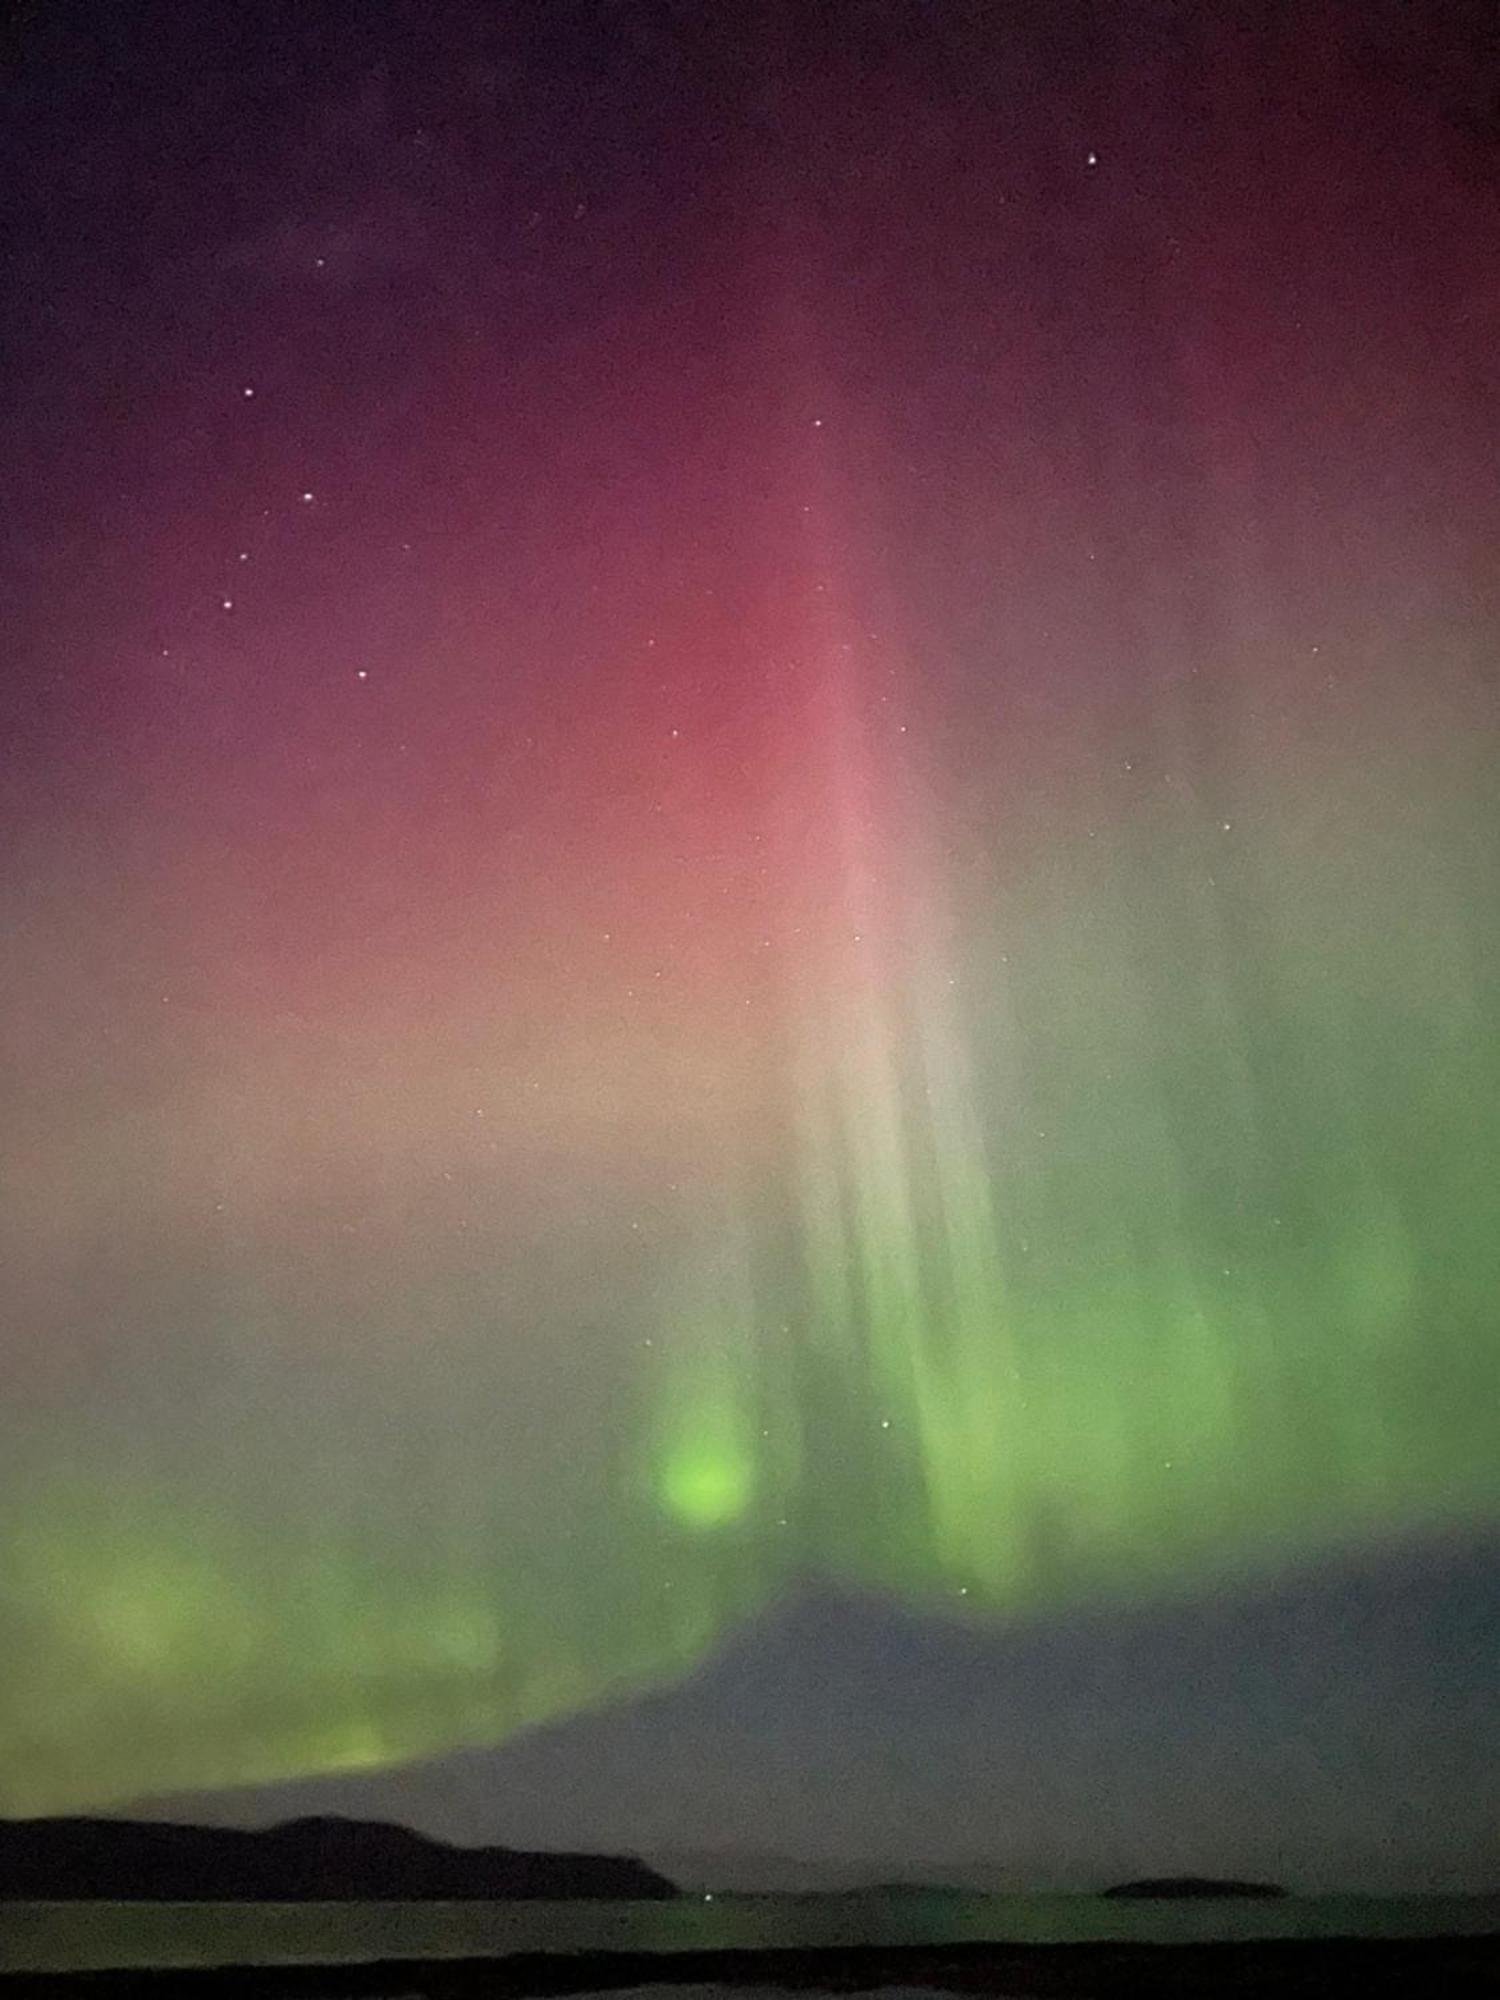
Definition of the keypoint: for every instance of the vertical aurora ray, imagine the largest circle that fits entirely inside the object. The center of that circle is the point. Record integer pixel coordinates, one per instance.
(1136, 1314)
(899, 1243)
(704, 1462)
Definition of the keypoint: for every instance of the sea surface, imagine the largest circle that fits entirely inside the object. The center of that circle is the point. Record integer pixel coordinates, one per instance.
(65, 1937)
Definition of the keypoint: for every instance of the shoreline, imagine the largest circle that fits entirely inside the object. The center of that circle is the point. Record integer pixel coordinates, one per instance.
(1357, 1966)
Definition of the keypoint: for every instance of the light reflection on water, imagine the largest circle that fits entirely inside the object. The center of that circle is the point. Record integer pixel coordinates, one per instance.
(38, 1937)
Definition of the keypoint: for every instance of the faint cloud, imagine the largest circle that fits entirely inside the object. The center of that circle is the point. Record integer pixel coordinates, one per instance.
(346, 250)
(356, 217)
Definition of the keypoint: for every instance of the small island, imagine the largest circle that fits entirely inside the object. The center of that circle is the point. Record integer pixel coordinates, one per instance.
(1170, 1888)
(323, 1859)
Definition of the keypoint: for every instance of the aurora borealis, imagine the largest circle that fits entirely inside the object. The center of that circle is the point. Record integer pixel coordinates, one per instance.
(750, 832)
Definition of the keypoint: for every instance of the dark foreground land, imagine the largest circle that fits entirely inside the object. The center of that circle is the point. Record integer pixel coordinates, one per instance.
(1357, 1967)
(318, 1859)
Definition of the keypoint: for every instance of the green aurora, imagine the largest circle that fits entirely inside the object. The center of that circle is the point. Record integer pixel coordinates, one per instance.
(1105, 1270)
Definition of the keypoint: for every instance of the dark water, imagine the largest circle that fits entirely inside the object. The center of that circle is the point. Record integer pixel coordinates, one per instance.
(38, 1937)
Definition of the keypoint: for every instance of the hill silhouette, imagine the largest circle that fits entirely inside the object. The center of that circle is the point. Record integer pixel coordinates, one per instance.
(316, 1859)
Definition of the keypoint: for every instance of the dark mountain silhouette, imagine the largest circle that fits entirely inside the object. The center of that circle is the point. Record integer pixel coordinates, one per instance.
(1171, 1888)
(842, 1739)
(322, 1859)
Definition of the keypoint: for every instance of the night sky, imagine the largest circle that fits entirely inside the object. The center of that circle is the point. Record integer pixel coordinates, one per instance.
(749, 858)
